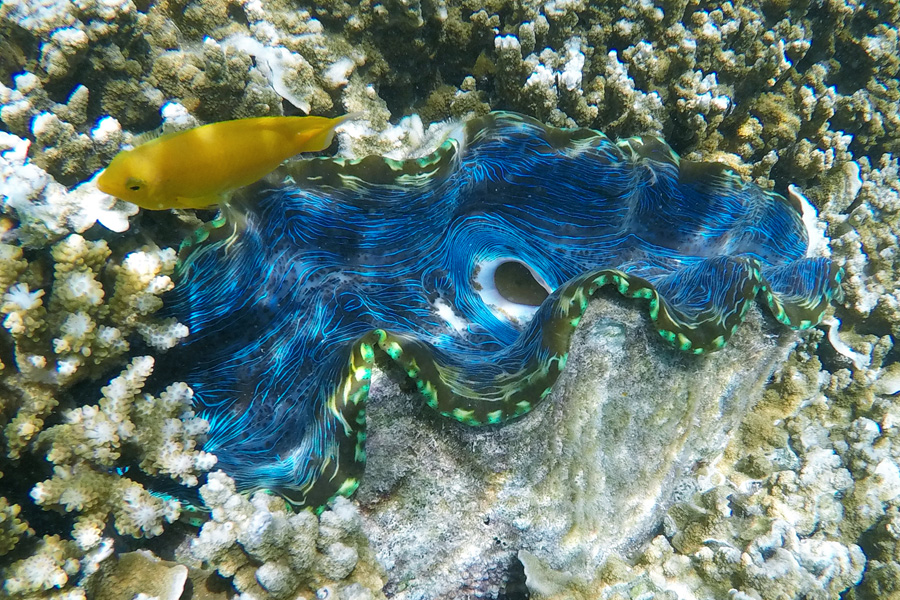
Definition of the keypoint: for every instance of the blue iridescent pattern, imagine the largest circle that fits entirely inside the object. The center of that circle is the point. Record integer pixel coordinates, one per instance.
(290, 303)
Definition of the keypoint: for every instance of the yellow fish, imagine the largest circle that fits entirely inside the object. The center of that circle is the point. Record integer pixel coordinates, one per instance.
(202, 166)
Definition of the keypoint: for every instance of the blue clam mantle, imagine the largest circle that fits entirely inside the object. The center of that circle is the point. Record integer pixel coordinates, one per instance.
(410, 259)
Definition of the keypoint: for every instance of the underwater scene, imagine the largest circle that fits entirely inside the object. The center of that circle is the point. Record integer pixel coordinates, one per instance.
(449, 299)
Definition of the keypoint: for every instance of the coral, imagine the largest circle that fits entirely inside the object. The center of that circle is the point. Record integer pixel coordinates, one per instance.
(723, 80)
(373, 134)
(811, 477)
(81, 321)
(780, 93)
(70, 312)
(883, 551)
(272, 552)
(139, 574)
(53, 564)
(287, 72)
(12, 527)
(71, 319)
(863, 210)
(44, 210)
(157, 433)
(206, 83)
(763, 95)
(127, 426)
(64, 141)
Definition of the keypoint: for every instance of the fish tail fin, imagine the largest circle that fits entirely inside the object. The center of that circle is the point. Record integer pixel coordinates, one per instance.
(316, 133)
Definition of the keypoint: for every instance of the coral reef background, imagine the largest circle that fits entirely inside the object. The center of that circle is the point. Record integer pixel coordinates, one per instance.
(786, 93)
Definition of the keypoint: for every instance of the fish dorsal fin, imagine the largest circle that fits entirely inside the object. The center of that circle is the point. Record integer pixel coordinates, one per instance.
(148, 136)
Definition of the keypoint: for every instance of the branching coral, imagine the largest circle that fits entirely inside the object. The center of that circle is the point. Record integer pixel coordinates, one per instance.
(11, 526)
(69, 313)
(863, 209)
(44, 210)
(779, 92)
(50, 568)
(79, 323)
(159, 433)
(723, 80)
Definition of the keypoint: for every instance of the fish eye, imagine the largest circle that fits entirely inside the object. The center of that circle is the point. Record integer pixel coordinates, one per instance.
(134, 184)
